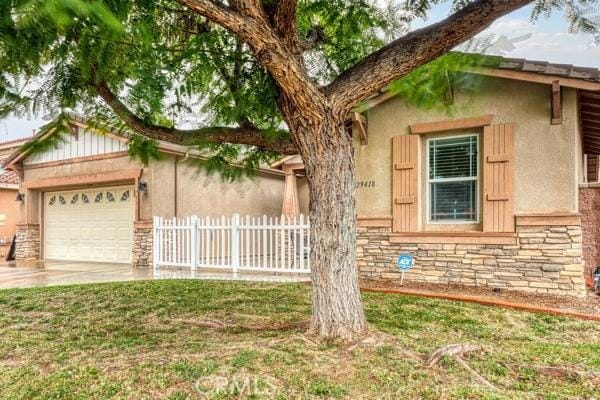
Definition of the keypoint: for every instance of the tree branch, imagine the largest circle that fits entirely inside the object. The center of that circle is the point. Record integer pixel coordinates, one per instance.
(240, 135)
(251, 8)
(231, 19)
(285, 24)
(243, 18)
(417, 48)
(270, 51)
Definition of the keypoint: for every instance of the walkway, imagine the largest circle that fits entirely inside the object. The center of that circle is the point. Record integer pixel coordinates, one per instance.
(23, 274)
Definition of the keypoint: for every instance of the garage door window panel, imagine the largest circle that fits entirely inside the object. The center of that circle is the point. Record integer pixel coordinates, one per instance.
(125, 196)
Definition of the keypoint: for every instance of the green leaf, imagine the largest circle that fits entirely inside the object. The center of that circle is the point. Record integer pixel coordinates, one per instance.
(143, 149)
(50, 136)
(173, 68)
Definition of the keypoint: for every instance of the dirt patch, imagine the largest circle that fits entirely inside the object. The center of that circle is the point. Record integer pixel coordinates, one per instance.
(590, 304)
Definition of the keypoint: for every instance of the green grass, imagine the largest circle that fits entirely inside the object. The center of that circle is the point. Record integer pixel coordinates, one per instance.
(149, 340)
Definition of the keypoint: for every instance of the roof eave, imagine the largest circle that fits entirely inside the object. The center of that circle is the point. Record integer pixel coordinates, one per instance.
(10, 186)
(165, 147)
(499, 72)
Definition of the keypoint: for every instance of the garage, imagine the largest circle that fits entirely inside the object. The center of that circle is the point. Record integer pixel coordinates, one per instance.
(89, 225)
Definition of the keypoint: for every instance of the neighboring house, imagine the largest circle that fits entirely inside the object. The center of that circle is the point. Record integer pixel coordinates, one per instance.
(87, 200)
(502, 191)
(9, 188)
(9, 209)
(9, 147)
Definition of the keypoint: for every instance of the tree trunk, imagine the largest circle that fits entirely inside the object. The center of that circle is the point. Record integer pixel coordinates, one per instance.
(328, 153)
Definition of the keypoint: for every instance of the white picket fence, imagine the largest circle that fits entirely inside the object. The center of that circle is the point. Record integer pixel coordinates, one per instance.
(268, 244)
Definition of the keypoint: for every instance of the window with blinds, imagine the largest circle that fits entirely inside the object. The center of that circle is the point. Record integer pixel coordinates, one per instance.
(453, 179)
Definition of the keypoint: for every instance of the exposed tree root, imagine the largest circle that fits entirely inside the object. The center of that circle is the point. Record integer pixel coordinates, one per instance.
(476, 374)
(453, 350)
(271, 326)
(373, 339)
(306, 340)
(457, 351)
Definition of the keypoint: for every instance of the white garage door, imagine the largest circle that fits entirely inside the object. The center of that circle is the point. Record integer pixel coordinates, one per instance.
(89, 225)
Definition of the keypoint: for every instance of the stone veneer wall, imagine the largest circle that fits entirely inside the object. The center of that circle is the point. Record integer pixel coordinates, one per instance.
(589, 207)
(27, 246)
(142, 244)
(545, 259)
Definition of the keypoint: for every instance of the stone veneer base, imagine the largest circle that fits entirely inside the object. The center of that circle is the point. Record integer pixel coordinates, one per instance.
(545, 259)
(142, 244)
(27, 245)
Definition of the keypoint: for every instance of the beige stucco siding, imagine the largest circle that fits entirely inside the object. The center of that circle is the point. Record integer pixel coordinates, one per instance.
(546, 169)
(81, 168)
(159, 200)
(209, 195)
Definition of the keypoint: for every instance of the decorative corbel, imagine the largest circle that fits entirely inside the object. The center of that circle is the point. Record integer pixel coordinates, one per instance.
(17, 168)
(74, 131)
(556, 103)
(361, 123)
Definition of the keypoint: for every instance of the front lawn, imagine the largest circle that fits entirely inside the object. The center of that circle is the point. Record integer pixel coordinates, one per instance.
(205, 339)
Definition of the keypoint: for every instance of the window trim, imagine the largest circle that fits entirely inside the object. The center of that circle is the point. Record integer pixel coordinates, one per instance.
(477, 180)
(426, 128)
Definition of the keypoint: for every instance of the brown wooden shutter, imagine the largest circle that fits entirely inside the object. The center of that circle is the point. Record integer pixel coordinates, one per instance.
(405, 210)
(498, 178)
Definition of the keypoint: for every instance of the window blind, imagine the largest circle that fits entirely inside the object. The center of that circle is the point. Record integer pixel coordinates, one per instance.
(453, 158)
(453, 185)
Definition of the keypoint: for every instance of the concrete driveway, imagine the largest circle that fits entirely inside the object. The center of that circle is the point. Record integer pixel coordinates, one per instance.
(22, 274)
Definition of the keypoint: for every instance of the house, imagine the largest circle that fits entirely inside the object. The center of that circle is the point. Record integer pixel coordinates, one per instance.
(499, 189)
(9, 188)
(88, 200)
(503, 191)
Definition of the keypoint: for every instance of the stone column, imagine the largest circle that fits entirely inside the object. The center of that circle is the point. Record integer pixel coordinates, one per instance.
(589, 207)
(142, 244)
(27, 246)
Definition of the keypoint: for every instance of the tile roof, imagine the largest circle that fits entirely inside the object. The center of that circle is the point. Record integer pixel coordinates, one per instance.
(15, 141)
(546, 68)
(9, 177)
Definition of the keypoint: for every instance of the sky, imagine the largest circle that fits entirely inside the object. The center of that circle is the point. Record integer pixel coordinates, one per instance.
(545, 40)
